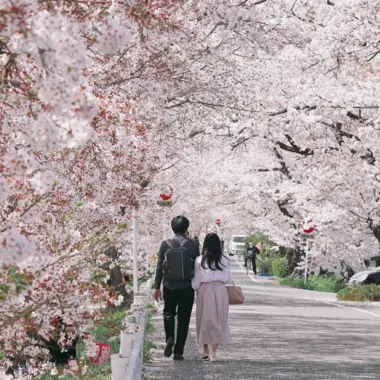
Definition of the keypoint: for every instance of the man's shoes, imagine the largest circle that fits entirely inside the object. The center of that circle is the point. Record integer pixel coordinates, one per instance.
(169, 348)
(178, 357)
(244, 265)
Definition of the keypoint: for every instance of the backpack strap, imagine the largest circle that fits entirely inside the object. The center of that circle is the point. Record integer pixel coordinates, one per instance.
(169, 243)
(183, 242)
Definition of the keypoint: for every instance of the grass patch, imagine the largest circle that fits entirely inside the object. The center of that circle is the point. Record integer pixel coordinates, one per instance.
(360, 293)
(324, 283)
(148, 344)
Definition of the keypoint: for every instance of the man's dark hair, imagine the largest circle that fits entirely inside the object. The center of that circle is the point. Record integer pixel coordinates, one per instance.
(126, 277)
(180, 224)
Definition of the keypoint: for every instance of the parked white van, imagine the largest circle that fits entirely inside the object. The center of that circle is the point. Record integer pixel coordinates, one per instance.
(237, 245)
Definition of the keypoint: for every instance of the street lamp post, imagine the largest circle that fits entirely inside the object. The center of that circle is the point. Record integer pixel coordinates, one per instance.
(218, 223)
(135, 237)
(165, 201)
(308, 229)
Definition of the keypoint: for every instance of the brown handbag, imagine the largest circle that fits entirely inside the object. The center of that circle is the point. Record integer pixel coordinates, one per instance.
(235, 294)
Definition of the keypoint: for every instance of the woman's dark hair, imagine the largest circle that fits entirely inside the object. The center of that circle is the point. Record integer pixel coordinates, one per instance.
(180, 224)
(126, 277)
(212, 252)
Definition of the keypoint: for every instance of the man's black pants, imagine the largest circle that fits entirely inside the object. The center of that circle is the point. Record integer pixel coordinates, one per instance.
(181, 300)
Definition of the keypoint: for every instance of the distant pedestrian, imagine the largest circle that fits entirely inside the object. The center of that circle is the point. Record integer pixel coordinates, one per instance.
(212, 272)
(175, 266)
(127, 283)
(251, 253)
(196, 239)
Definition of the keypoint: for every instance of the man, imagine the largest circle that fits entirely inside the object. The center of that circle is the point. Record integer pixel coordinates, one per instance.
(127, 283)
(175, 266)
(251, 254)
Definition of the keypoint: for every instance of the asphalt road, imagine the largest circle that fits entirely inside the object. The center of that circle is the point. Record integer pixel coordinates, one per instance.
(285, 334)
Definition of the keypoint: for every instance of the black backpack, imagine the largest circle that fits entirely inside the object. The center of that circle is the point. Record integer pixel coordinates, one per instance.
(179, 262)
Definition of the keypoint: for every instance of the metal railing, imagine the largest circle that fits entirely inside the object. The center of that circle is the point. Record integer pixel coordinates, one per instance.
(127, 364)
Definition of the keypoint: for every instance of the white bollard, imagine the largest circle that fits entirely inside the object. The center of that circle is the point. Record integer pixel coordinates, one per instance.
(138, 301)
(126, 344)
(119, 367)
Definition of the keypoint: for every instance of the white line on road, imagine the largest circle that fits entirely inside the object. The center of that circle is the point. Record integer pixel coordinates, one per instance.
(350, 307)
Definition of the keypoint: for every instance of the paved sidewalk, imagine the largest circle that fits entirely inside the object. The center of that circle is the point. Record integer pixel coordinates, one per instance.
(282, 334)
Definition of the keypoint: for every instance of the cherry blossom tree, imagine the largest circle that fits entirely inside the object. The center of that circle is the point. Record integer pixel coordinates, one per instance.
(77, 155)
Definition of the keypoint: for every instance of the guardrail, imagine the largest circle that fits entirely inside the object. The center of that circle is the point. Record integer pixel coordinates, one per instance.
(127, 364)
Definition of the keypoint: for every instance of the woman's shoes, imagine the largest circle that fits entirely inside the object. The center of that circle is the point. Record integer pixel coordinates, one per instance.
(205, 355)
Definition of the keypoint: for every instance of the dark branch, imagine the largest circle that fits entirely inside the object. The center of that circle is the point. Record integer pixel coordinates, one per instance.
(196, 133)
(169, 167)
(281, 205)
(294, 148)
(258, 2)
(177, 104)
(239, 142)
(284, 168)
(339, 133)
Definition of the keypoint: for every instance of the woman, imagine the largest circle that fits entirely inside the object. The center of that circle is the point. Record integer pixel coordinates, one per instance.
(212, 272)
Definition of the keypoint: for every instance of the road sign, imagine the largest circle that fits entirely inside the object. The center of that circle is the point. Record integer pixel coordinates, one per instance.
(166, 195)
(165, 203)
(308, 227)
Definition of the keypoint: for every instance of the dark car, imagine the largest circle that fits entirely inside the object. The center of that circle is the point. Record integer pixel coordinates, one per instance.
(365, 278)
(372, 278)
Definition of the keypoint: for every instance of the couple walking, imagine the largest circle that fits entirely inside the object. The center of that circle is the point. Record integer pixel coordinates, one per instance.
(183, 271)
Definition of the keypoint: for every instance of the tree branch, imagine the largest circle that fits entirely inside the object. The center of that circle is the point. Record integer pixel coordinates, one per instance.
(258, 2)
(294, 148)
(284, 168)
(240, 141)
(169, 167)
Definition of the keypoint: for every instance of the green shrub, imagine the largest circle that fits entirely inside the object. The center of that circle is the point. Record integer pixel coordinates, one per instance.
(324, 283)
(360, 293)
(264, 265)
(327, 283)
(280, 267)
